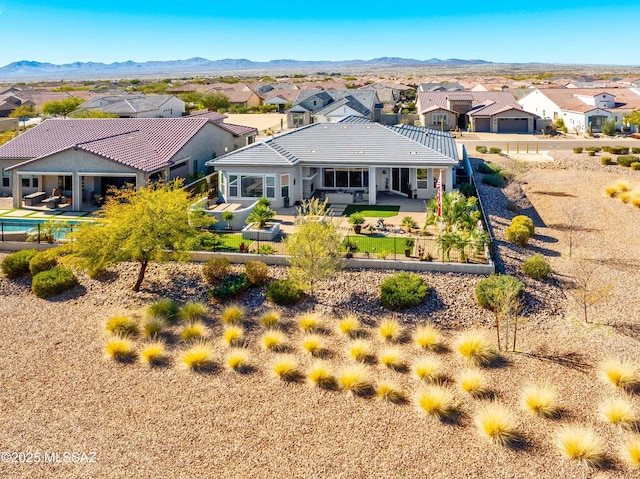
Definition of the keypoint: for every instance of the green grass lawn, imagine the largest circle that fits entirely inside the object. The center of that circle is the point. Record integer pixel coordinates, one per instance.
(378, 244)
(372, 211)
(231, 241)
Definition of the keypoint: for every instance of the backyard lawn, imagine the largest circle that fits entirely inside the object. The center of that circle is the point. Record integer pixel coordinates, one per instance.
(231, 241)
(378, 244)
(372, 211)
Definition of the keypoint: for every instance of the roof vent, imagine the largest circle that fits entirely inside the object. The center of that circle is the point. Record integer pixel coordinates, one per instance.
(313, 151)
(360, 152)
(413, 152)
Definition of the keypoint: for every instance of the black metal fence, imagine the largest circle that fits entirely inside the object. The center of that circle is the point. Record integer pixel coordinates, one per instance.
(38, 233)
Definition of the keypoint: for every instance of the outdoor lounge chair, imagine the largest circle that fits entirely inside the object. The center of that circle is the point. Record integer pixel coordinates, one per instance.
(54, 199)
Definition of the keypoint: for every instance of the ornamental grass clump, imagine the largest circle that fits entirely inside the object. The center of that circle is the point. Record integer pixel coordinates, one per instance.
(438, 402)
(270, 319)
(631, 452)
(153, 326)
(120, 348)
(618, 411)
(197, 357)
(349, 326)
(153, 353)
(427, 336)
(273, 341)
(319, 375)
(474, 383)
(428, 369)
(541, 401)
(360, 351)
(233, 314)
(192, 311)
(392, 358)
(122, 325)
(163, 308)
(310, 323)
(314, 345)
(238, 360)
(355, 380)
(582, 445)
(195, 330)
(233, 335)
(286, 369)
(475, 347)
(620, 373)
(497, 424)
(389, 329)
(389, 392)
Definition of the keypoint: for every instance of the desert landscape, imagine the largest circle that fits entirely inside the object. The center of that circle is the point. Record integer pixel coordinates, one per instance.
(61, 393)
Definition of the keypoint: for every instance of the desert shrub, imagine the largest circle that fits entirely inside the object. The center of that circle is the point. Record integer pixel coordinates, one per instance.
(635, 150)
(605, 160)
(195, 330)
(233, 335)
(428, 336)
(192, 311)
(468, 190)
(16, 264)
(635, 165)
(392, 358)
(284, 292)
(266, 249)
(620, 373)
(386, 391)
(581, 445)
(354, 380)
(620, 150)
(606, 149)
(517, 234)
(204, 241)
(122, 325)
(238, 360)
(495, 179)
(153, 353)
(320, 376)
(270, 319)
(497, 424)
(437, 401)
(488, 168)
(540, 400)
(473, 383)
(488, 288)
(163, 308)
(536, 267)
(233, 314)
(310, 323)
(230, 287)
(526, 221)
(286, 369)
(402, 290)
(476, 348)
(44, 260)
(389, 329)
(578, 149)
(360, 351)
(52, 282)
(349, 326)
(153, 326)
(495, 150)
(481, 149)
(595, 149)
(617, 411)
(313, 345)
(591, 153)
(428, 369)
(197, 357)
(215, 269)
(120, 348)
(625, 197)
(626, 160)
(631, 452)
(257, 272)
(273, 340)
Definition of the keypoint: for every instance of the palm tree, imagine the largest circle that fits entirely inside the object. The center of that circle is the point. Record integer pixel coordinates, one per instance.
(260, 215)
(458, 211)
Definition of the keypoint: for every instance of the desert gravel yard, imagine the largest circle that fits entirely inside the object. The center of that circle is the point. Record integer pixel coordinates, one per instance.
(58, 391)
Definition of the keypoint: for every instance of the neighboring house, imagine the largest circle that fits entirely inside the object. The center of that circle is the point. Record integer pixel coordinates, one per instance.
(444, 86)
(582, 109)
(386, 95)
(239, 135)
(480, 111)
(353, 160)
(137, 105)
(11, 102)
(281, 98)
(242, 98)
(86, 156)
(320, 106)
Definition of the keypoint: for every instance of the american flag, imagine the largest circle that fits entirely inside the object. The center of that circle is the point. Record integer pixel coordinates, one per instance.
(439, 196)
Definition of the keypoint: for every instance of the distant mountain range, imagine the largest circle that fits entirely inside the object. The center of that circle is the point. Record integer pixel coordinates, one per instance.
(31, 70)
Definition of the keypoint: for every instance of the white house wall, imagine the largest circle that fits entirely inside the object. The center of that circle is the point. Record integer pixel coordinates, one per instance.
(538, 103)
(337, 115)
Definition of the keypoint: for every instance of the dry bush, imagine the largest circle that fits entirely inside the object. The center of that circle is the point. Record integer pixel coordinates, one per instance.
(355, 380)
(618, 411)
(192, 311)
(389, 329)
(270, 319)
(286, 368)
(349, 326)
(314, 345)
(153, 326)
(197, 357)
(193, 330)
(153, 353)
(273, 341)
(234, 335)
(496, 423)
(475, 347)
(386, 391)
(310, 323)
(582, 445)
(120, 348)
(233, 314)
(620, 373)
(360, 351)
(428, 369)
(428, 336)
(319, 375)
(238, 360)
(392, 358)
(631, 452)
(122, 325)
(474, 383)
(540, 400)
(437, 401)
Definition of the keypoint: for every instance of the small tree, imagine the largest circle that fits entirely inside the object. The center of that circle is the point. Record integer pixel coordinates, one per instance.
(215, 101)
(228, 217)
(152, 223)
(23, 112)
(633, 119)
(501, 294)
(61, 107)
(609, 127)
(588, 290)
(261, 215)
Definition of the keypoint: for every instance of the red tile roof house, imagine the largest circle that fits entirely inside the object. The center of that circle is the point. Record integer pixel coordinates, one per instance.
(83, 157)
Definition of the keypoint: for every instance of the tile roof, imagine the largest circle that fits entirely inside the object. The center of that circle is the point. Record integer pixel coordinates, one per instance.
(145, 144)
(210, 115)
(428, 99)
(568, 98)
(490, 108)
(351, 143)
(236, 130)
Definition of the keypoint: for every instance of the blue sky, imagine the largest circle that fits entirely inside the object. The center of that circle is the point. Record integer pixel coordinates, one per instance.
(66, 31)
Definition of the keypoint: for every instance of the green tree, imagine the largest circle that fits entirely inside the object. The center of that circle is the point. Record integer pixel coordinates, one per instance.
(194, 97)
(92, 114)
(61, 107)
(457, 211)
(153, 223)
(215, 101)
(313, 250)
(23, 112)
(609, 127)
(261, 215)
(633, 118)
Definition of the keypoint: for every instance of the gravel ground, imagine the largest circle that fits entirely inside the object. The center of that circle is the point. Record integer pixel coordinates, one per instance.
(59, 393)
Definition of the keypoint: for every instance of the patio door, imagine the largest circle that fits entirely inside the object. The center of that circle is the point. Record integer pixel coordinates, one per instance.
(400, 181)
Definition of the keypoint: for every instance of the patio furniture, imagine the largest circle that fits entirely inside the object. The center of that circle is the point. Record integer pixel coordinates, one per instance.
(52, 201)
(34, 198)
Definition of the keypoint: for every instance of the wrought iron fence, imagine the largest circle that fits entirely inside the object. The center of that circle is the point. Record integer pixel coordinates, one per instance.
(38, 233)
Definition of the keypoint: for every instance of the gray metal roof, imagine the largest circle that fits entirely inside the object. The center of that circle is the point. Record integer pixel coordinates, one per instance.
(349, 143)
(126, 104)
(322, 98)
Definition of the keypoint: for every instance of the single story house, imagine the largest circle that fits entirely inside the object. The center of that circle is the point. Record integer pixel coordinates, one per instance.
(137, 105)
(242, 98)
(443, 86)
(582, 109)
(84, 157)
(350, 161)
(479, 111)
(281, 98)
(330, 106)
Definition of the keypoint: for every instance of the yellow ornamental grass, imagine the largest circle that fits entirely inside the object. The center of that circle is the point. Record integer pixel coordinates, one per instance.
(197, 357)
(390, 329)
(427, 336)
(320, 376)
(349, 326)
(497, 424)
(153, 353)
(582, 445)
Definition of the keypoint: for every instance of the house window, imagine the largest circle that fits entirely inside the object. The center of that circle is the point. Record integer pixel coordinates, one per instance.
(26, 181)
(233, 185)
(346, 177)
(5, 178)
(251, 139)
(271, 186)
(34, 181)
(441, 119)
(284, 186)
(422, 179)
(252, 186)
(64, 182)
(194, 167)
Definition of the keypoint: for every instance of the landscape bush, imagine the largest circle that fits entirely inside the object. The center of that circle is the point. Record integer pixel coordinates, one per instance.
(120, 348)
(496, 179)
(153, 326)
(468, 190)
(153, 353)
(392, 359)
(195, 330)
(230, 287)
(270, 319)
(525, 220)
(473, 383)
(595, 149)
(606, 149)
(437, 401)
(475, 347)
(605, 160)
(635, 150)
(626, 160)
(389, 329)
(497, 424)
(310, 323)
(517, 234)
(581, 445)
(354, 380)
(427, 336)
(360, 351)
(163, 308)
(578, 149)
(238, 360)
(540, 400)
(488, 168)
(387, 391)
(45, 260)
(192, 311)
(619, 150)
(233, 335)
(349, 326)
(617, 411)
(52, 282)
(402, 290)
(286, 369)
(284, 292)
(273, 340)
(428, 369)
(16, 264)
(481, 149)
(122, 325)
(591, 153)
(488, 290)
(635, 165)
(631, 452)
(215, 269)
(495, 150)
(197, 357)
(320, 376)
(619, 372)
(536, 267)
(233, 314)
(257, 272)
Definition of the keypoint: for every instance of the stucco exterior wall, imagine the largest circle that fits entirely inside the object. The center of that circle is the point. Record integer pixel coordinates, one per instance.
(428, 119)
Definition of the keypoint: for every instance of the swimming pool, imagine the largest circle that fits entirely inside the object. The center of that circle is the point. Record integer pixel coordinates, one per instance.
(12, 229)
